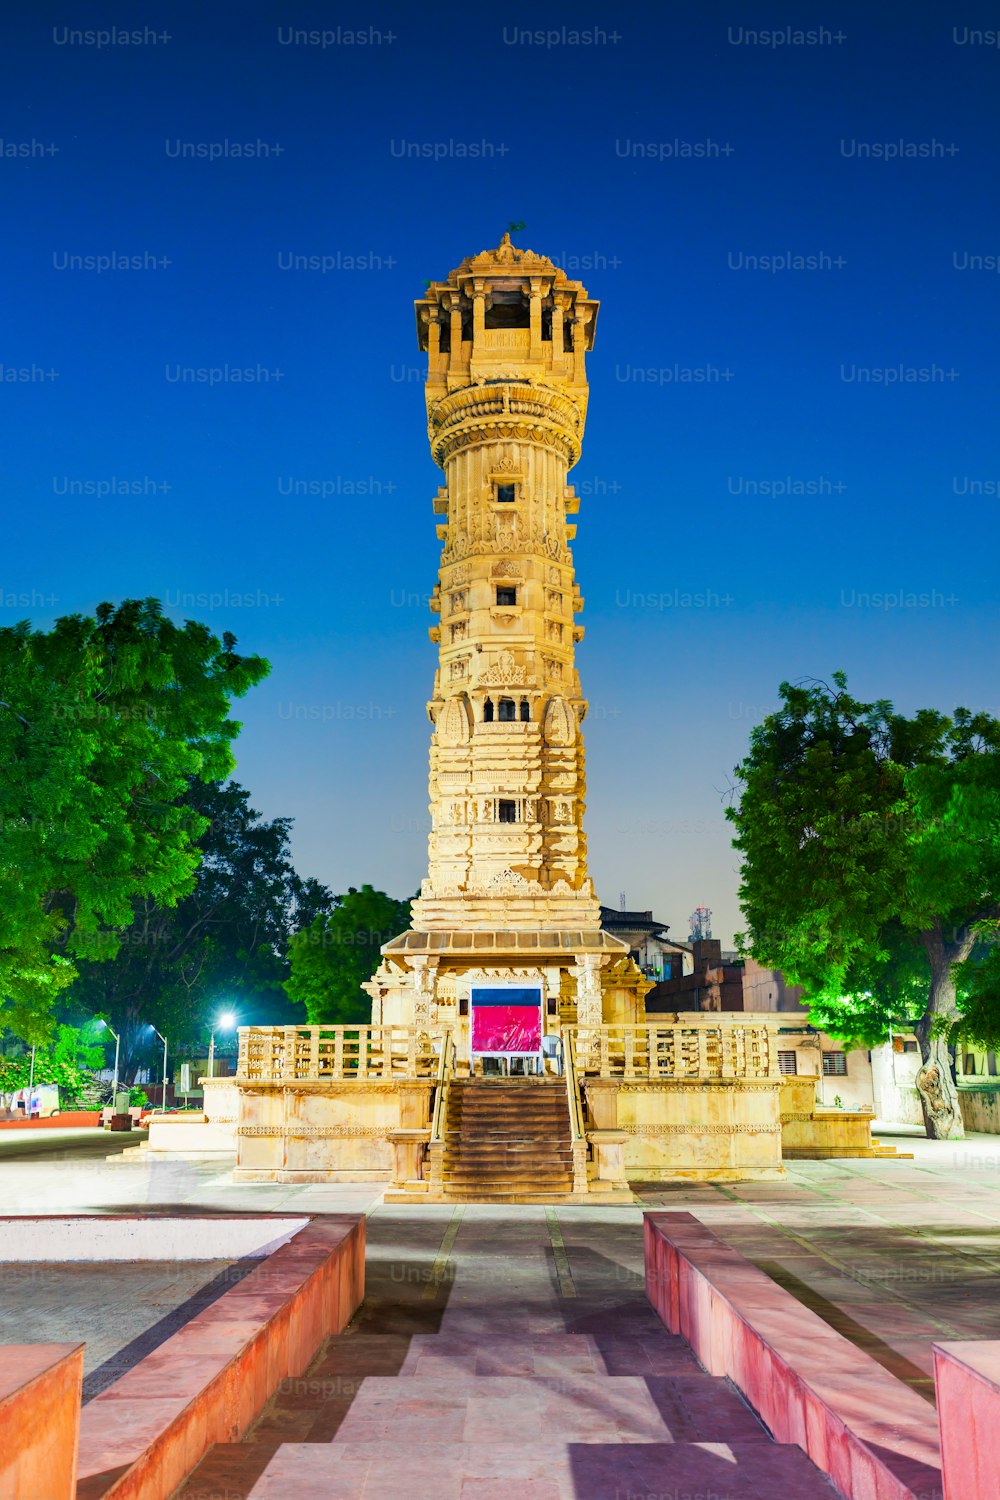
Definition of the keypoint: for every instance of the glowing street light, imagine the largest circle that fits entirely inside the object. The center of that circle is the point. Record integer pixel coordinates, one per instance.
(225, 1022)
(163, 1101)
(118, 1042)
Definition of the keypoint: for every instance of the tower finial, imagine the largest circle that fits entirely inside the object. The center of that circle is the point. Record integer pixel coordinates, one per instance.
(506, 237)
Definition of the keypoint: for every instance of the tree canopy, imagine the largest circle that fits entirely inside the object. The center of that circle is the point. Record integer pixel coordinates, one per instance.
(223, 946)
(104, 721)
(337, 952)
(871, 867)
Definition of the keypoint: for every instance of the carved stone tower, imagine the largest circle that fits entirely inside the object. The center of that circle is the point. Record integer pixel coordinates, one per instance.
(507, 894)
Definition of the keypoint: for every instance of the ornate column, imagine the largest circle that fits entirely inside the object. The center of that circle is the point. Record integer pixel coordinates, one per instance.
(424, 990)
(588, 989)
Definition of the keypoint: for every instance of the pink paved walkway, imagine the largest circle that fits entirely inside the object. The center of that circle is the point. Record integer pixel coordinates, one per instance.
(500, 1358)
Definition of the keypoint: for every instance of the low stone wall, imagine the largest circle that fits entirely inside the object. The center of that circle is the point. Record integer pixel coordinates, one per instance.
(208, 1383)
(40, 1386)
(708, 1130)
(967, 1382)
(873, 1435)
(68, 1119)
(981, 1109)
(326, 1130)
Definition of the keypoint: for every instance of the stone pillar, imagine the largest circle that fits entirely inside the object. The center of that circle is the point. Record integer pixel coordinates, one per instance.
(424, 988)
(588, 989)
(535, 318)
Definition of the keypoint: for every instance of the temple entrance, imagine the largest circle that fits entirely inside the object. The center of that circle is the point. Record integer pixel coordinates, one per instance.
(506, 1024)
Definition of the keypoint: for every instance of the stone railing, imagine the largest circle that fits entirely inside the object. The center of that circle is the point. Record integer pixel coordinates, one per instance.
(282, 1054)
(697, 1045)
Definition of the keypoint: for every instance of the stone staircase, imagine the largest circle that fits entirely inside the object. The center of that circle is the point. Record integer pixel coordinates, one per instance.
(490, 1365)
(507, 1140)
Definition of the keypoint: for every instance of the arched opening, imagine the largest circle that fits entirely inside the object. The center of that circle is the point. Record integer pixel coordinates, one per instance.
(508, 712)
(525, 711)
(488, 711)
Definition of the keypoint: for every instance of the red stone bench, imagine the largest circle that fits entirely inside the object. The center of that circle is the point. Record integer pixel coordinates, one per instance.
(207, 1383)
(39, 1414)
(967, 1381)
(876, 1438)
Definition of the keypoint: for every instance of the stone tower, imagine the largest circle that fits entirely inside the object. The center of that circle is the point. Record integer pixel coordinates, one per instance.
(507, 895)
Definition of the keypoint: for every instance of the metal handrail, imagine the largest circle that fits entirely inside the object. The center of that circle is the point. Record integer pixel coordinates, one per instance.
(572, 1089)
(443, 1079)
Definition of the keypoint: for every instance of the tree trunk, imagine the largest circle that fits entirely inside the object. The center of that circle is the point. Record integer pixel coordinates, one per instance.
(935, 1080)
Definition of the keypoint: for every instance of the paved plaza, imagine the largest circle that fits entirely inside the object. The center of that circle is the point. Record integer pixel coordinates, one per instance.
(510, 1350)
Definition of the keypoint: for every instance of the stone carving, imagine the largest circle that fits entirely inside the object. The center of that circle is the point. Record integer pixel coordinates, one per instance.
(696, 1128)
(559, 725)
(509, 569)
(504, 672)
(537, 544)
(453, 727)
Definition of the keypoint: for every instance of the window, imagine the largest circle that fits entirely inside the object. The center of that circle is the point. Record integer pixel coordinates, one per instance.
(507, 713)
(910, 1047)
(488, 711)
(991, 1064)
(507, 310)
(507, 493)
(834, 1064)
(506, 811)
(506, 595)
(525, 711)
(787, 1062)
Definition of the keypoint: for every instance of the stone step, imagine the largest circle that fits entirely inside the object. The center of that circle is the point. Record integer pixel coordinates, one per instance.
(502, 1463)
(459, 1355)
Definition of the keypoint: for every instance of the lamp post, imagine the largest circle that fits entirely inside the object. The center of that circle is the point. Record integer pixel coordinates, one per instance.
(163, 1098)
(226, 1022)
(118, 1042)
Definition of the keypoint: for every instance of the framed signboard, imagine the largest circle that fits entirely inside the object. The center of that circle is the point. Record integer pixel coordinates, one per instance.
(506, 1019)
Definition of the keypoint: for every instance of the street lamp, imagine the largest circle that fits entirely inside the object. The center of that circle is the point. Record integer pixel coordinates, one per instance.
(226, 1022)
(163, 1100)
(118, 1042)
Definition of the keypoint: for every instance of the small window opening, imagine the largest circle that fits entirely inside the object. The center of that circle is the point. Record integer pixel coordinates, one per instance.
(507, 713)
(506, 596)
(506, 493)
(525, 711)
(507, 811)
(488, 711)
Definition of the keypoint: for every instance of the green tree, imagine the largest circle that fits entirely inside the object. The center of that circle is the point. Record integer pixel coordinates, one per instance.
(338, 951)
(71, 1061)
(871, 864)
(223, 946)
(104, 720)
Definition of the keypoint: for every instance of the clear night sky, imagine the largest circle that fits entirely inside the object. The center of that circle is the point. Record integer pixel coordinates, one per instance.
(700, 594)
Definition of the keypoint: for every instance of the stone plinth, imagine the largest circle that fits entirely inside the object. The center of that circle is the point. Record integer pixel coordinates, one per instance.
(967, 1382)
(40, 1387)
(702, 1129)
(811, 1132)
(409, 1148)
(609, 1159)
(327, 1130)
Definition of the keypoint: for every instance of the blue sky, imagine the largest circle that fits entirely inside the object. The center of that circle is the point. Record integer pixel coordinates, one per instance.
(785, 471)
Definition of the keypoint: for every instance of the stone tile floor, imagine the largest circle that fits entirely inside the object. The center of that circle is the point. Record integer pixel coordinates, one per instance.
(895, 1254)
(498, 1356)
(122, 1310)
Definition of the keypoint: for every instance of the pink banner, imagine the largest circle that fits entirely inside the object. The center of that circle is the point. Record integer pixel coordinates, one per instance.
(506, 1020)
